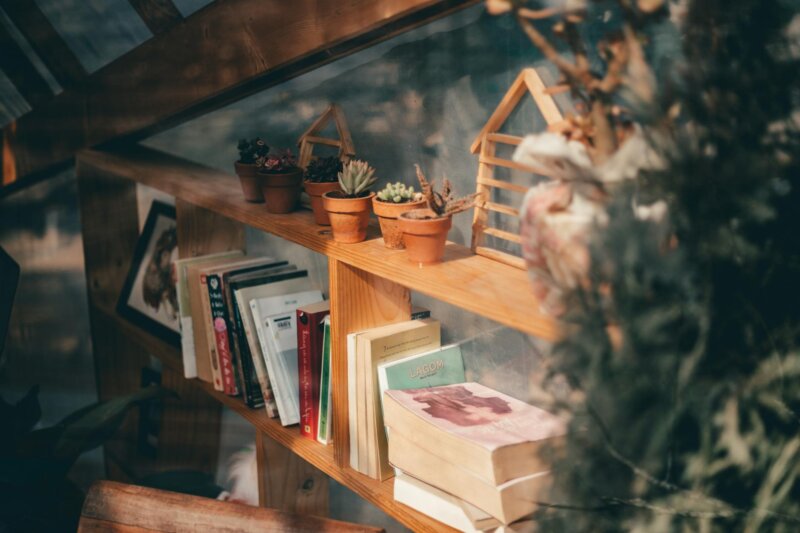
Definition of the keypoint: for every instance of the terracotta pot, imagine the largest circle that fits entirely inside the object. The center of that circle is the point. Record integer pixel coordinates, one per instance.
(349, 216)
(281, 190)
(248, 177)
(315, 192)
(387, 216)
(424, 238)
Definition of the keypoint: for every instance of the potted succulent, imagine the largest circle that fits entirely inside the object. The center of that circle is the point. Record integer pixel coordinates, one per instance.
(348, 207)
(321, 176)
(388, 204)
(425, 230)
(281, 180)
(251, 155)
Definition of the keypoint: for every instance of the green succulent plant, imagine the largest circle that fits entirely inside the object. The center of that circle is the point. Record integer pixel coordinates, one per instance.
(324, 169)
(355, 178)
(398, 193)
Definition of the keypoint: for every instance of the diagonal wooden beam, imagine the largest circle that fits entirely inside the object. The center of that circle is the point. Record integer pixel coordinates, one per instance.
(45, 41)
(158, 15)
(13, 61)
(228, 50)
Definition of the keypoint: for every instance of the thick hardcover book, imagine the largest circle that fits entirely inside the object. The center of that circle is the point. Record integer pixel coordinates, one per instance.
(324, 425)
(282, 283)
(493, 436)
(310, 329)
(185, 309)
(243, 366)
(275, 318)
(216, 325)
(507, 502)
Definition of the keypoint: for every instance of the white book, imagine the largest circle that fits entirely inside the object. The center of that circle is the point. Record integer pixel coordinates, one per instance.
(185, 312)
(280, 355)
(440, 505)
(450, 510)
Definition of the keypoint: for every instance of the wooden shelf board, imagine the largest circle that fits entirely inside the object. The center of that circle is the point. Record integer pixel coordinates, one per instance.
(378, 493)
(474, 283)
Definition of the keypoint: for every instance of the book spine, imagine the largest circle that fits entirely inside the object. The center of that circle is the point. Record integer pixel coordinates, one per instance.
(323, 430)
(220, 321)
(210, 336)
(308, 426)
(252, 342)
(265, 342)
(251, 389)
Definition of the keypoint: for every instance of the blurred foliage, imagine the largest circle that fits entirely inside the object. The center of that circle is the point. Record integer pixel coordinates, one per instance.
(690, 422)
(36, 494)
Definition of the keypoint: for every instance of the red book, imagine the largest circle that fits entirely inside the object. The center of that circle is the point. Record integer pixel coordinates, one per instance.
(309, 363)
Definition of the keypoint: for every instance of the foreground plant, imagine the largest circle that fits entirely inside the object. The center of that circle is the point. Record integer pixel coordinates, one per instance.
(251, 155)
(321, 176)
(281, 181)
(348, 207)
(425, 230)
(392, 201)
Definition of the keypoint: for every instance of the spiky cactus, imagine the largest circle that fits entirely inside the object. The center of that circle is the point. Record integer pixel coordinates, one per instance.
(442, 203)
(355, 178)
(398, 193)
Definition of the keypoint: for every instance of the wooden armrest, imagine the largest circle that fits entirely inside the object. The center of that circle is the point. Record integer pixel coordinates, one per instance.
(112, 506)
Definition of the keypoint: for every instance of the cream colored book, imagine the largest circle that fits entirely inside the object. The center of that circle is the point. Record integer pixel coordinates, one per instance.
(380, 345)
(494, 436)
(507, 502)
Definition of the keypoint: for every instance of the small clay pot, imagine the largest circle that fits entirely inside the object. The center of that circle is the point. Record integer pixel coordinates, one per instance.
(315, 192)
(248, 177)
(387, 216)
(349, 216)
(281, 189)
(424, 237)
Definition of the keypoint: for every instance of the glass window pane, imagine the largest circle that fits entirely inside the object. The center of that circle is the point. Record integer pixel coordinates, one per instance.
(187, 7)
(97, 31)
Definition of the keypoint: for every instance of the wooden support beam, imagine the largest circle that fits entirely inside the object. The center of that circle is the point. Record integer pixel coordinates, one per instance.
(158, 15)
(16, 65)
(288, 483)
(45, 41)
(359, 300)
(220, 54)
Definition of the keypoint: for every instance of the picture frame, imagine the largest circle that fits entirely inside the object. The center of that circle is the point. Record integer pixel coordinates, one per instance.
(148, 298)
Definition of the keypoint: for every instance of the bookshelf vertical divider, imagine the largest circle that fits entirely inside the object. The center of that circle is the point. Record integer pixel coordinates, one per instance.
(359, 300)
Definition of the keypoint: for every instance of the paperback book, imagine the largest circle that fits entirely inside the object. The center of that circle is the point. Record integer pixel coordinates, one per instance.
(310, 333)
(275, 318)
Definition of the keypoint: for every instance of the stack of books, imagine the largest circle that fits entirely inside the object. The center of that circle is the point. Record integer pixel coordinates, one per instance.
(255, 327)
(472, 443)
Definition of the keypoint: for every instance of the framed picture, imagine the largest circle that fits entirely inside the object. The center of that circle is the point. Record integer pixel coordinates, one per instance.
(149, 298)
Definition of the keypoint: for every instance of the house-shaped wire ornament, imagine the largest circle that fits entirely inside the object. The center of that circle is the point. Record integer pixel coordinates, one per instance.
(485, 146)
(312, 136)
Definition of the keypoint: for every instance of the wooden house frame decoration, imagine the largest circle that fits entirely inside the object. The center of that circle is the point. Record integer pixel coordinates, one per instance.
(312, 137)
(485, 145)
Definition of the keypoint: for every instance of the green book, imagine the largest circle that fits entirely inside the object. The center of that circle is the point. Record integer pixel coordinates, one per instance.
(443, 366)
(323, 428)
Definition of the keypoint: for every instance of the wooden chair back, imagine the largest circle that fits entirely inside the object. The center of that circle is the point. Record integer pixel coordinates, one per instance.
(120, 508)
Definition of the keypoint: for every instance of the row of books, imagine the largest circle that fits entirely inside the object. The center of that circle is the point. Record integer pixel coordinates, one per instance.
(461, 452)
(256, 327)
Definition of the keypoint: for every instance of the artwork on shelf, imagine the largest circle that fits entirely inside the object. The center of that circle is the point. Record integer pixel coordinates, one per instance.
(9, 276)
(149, 297)
(485, 147)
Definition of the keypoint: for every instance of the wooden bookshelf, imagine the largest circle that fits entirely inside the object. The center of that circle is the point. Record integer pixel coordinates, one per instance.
(463, 279)
(369, 286)
(377, 492)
